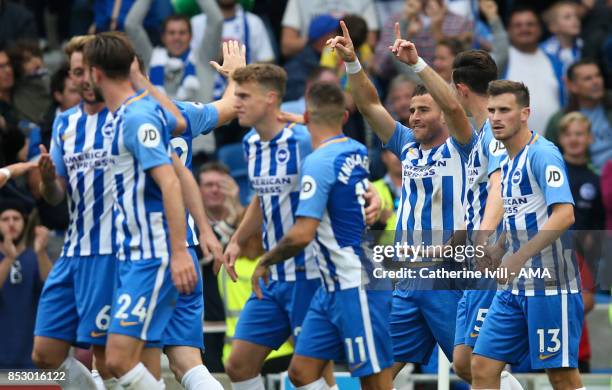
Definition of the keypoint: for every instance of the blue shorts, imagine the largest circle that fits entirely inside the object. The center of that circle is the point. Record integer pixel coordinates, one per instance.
(76, 300)
(187, 323)
(271, 320)
(419, 320)
(547, 328)
(471, 312)
(349, 326)
(144, 299)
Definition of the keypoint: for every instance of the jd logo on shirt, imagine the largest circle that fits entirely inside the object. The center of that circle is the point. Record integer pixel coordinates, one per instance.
(497, 148)
(282, 156)
(148, 135)
(554, 176)
(309, 187)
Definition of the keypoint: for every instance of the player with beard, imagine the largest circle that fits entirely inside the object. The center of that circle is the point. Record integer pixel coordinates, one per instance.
(75, 303)
(539, 314)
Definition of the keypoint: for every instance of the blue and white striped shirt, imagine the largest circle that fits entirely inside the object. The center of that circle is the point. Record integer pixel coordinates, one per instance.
(274, 172)
(201, 119)
(532, 182)
(80, 149)
(433, 188)
(141, 142)
(484, 159)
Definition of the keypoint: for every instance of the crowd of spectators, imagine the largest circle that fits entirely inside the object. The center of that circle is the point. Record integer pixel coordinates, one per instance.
(562, 50)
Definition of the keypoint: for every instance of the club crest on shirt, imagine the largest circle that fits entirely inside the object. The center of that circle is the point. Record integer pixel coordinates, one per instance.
(588, 191)
(282, 156)
(517, 176)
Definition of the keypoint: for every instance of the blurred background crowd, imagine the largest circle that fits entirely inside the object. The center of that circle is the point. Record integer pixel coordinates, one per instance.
(562, 50)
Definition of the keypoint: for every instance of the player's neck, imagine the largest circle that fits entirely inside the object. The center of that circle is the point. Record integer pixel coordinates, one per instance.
(517, 142)
(435, 142)
(322, 132)
(269, 126)
(479, 110)
(566, 41)
(580, 159)
(116, 93)
(93, 108)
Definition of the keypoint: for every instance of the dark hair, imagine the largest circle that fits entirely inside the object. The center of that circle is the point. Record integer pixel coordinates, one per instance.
(111, 52)
(518, 89)
(420, 90)
(571, 71)
(213, 166)
(455, 45)
(267, 75)
(474, 68)
(521, 9)
(22, 51)
(357, 27)
(325, 102)
(58, 80)
(176, 18)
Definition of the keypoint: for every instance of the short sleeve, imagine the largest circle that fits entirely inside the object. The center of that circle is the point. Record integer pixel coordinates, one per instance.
(55, 149)
(494, 150)
(401, 136)
(549, 170)
(316, 184)
(146, 138)
(169, 120)
(465, 150)
(202, 118)
(291, 18)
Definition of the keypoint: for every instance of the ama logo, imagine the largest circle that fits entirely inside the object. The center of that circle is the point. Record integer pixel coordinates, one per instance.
(517, 176)
(282, 156)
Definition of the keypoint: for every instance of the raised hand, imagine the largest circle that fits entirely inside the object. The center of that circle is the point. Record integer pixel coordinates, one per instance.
(46, 166)
(234, 57)
(343, 44)
(404, 50)
(489, 9)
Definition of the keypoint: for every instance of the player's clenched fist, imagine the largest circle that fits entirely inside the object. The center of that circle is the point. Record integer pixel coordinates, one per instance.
(184, 275)
(343, 44)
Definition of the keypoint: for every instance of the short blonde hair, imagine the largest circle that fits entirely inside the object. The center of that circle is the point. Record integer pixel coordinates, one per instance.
(550, 15)
(570, 118)
(76, 44)
(269, 76)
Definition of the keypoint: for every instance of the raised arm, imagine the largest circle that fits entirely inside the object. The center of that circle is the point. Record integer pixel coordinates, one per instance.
(362, 90)
(136, 32)
(15, 170)
(234, 57)
(140, 81)
(209, 48)
(501, 43)
(458, 123)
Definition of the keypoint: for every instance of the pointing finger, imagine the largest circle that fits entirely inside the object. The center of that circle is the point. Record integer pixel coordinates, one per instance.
(398, 33)
(345, 32)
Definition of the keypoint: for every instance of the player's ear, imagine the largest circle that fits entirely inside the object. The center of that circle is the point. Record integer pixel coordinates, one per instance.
(345, 117)
(525, 111)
